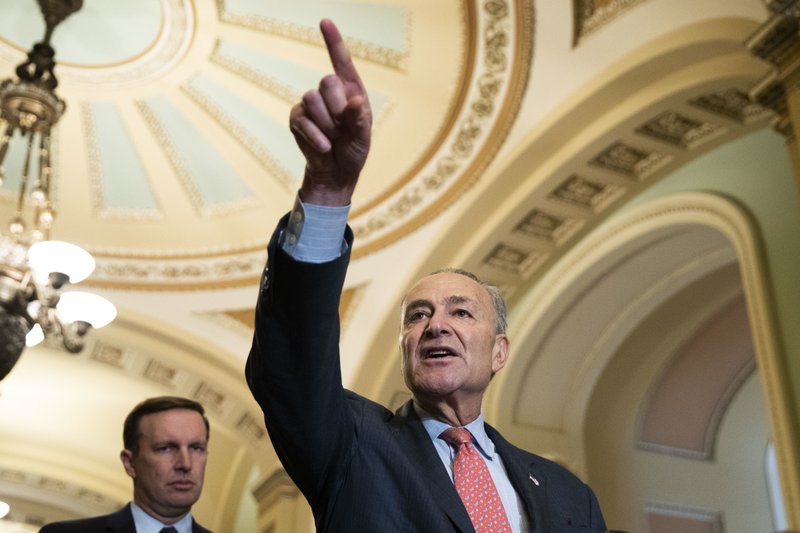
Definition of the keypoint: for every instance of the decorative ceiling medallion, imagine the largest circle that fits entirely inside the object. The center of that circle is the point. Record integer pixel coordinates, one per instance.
(173, 40)
(503, 37)
(497, 66)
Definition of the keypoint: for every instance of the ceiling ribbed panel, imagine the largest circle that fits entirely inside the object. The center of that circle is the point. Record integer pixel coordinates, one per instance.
(121, 179)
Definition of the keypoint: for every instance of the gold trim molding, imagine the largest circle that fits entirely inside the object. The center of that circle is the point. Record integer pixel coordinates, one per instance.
(372, 52)
(504, 31)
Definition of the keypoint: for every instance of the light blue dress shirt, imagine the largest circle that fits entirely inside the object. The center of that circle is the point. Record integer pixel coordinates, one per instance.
(147, 524)
(512, 503)
(315, 233)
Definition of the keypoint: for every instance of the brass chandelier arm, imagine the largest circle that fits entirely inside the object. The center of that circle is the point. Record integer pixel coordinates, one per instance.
(30, 108)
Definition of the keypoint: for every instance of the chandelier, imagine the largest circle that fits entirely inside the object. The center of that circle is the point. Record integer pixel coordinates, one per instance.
(36, 272)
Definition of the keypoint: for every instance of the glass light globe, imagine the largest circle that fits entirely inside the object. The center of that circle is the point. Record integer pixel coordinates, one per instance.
(16, 226)
(62, 257)
(33, 309)
(46, 218)
(34, 336)
(38, 196)
(86, 307)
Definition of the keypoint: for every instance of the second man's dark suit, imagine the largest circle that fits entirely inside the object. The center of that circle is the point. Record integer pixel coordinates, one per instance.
(118, 522)
(360, 466)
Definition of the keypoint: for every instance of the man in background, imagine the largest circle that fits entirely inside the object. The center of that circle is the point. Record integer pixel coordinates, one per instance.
(165, 450)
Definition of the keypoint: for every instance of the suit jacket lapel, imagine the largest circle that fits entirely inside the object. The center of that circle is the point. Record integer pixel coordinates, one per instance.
(416, 443)
(121, 521)
(528, 481)
(197, 528)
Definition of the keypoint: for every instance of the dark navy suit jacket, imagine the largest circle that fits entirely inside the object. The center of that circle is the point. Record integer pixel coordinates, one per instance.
(360, 466)
(118, 522)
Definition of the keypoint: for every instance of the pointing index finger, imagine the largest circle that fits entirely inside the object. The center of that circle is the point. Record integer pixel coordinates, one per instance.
(340, 56)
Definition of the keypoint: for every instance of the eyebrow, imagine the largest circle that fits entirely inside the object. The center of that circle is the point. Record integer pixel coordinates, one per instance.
(165, 442)
(450, 300)
(455, 300)
(176, 442)
(418, 303)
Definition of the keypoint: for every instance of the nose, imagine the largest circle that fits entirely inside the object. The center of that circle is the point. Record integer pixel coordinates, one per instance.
(183, 460)
(437, 325)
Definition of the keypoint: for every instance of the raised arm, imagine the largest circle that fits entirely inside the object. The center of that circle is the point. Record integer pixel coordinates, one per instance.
(293, 368)
(332, 126)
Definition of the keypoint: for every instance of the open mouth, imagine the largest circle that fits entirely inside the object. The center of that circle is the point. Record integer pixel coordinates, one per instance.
(437, 353)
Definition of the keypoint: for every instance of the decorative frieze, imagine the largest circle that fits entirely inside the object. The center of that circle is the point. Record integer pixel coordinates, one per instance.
(630, 161)
(513, 259)
(587, 194)
(546, 226)
(680, 130)
(777, 41)
(731, 103)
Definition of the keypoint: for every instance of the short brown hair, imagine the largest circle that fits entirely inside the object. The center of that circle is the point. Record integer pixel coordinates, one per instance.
(130, 430)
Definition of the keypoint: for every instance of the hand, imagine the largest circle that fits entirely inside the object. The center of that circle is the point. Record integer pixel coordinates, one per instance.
(332, 125)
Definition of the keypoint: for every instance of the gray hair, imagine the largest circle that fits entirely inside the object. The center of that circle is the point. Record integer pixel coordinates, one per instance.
(499, 304)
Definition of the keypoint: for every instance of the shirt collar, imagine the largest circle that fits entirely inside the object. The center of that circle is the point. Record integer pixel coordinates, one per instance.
(147, 524)
(434, 427)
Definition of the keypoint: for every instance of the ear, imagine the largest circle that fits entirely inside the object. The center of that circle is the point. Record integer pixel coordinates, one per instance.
(126, 456)
(499, 352)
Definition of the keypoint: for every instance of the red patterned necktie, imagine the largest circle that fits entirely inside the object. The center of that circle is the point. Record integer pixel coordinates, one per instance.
(474, 484)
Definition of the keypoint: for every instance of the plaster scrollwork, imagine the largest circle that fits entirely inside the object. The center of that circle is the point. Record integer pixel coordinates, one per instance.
(453, 167)
(216, 271)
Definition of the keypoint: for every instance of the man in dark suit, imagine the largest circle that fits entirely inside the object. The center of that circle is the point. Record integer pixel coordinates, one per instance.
(360, 466)
(166, 445)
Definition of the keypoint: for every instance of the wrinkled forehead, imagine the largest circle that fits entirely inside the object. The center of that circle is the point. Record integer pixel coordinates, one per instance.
(444, 287)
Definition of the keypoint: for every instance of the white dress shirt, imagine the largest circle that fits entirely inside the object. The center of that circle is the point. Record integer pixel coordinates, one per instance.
(147, 524)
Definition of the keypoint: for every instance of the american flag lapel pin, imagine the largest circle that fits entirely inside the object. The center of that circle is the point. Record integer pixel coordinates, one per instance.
(533, 479)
